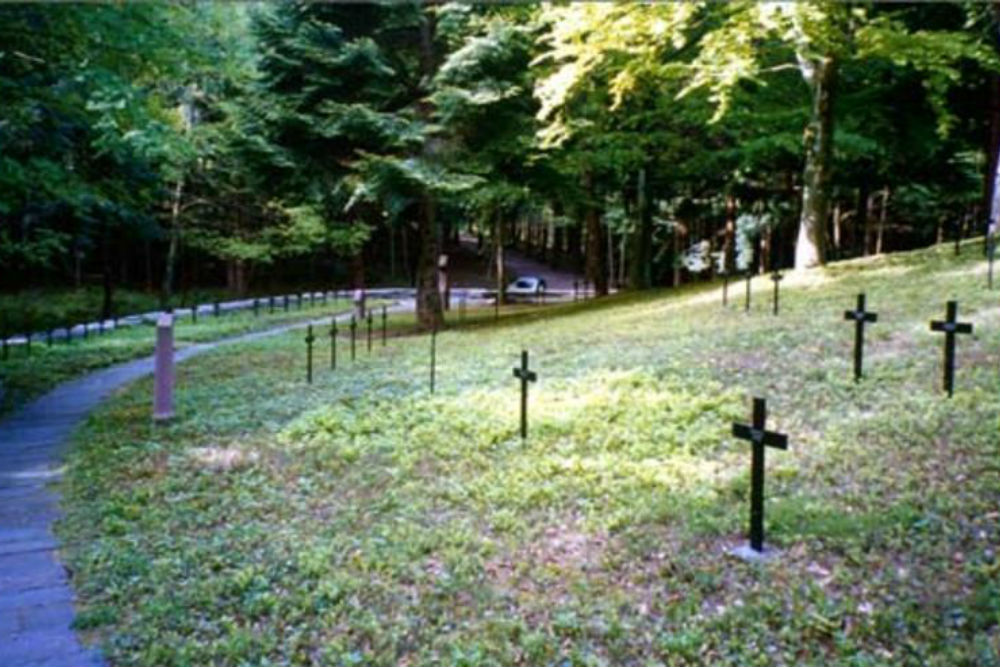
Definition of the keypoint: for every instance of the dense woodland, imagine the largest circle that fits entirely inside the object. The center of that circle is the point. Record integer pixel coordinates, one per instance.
(166, 146)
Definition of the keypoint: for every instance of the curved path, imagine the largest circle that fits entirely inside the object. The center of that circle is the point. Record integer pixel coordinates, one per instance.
(36, 600)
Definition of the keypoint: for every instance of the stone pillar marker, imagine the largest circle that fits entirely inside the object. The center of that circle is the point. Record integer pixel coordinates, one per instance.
(359, 304)
(163, 387)
(991, 249)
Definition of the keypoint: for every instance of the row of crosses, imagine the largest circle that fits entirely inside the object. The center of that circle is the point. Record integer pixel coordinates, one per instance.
(756, 433)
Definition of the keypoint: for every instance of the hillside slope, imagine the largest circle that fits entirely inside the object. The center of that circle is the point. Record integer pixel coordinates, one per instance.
(363, 521)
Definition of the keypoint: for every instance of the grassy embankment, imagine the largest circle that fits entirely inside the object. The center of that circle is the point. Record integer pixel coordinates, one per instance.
(363, 521)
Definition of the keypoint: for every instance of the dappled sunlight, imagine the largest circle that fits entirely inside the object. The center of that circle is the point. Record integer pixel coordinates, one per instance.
(222, 459)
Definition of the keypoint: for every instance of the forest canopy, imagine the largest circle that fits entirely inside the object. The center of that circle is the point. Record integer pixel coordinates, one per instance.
(169, 145)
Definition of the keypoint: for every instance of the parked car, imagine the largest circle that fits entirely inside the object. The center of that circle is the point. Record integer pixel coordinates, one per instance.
(526, 286)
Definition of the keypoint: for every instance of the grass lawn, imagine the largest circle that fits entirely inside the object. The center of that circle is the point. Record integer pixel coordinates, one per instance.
(363, 521)
(24, 376)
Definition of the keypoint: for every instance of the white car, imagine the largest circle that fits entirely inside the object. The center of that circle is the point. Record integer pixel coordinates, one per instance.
(526, 286)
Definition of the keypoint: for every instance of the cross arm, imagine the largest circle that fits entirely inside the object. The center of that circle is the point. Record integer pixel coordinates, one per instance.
(769, 438)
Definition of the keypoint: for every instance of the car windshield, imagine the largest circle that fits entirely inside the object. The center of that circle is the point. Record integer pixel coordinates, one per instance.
(523, 283)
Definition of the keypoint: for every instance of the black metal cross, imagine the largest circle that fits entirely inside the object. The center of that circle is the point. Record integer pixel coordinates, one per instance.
(333, 343)
(746, 306)
(48, 338)
(286, 302)
(86, 330)
(369, 332)
(776, 278)
(270, 305)
(433, 356)
(256, 307)
(950, 326)
(576, 290)
(860, 317)
(215, 308)
(194, 315)
(760, 438)
(384, 316)
(354, 331)
(298, 301)
(309, 353)
(525, 376)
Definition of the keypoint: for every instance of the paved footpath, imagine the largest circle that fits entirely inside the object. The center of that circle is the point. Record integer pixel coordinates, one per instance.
(36, 600)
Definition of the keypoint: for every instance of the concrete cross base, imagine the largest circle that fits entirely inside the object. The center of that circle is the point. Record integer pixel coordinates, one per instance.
(748, 554)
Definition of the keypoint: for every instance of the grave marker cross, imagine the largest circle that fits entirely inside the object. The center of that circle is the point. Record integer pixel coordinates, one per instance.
(950, 326)
(333, 343)
(383, 326)
(525, 376)
(746, 306)
(369, 332)
(760, 438)
(860, 317)
(309, 353)
(433, 356)
(776, 278)
(354, 331)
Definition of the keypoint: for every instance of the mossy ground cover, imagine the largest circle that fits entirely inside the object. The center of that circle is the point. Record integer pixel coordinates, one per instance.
(363, 521)
(24, 376)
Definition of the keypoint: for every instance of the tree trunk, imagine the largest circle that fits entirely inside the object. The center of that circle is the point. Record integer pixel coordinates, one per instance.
(862, 223)
(881, 220)
(574, 243)
(595, 269)
(640, 268)
(992, 180)
(810, 247)
(175, 239)
(108, 303)
(429, 313)
(498, 260)
(836, 228)
(729, 238)
(236, 276)
(358, 269)
(675, 238)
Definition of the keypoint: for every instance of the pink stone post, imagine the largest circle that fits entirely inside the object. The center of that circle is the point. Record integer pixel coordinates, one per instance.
(163, 389)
